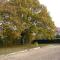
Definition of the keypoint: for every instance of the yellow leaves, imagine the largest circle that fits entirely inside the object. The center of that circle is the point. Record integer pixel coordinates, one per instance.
(15, 34)
(26, 15)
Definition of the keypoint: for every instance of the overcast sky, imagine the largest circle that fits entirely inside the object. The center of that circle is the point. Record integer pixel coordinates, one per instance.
(54, 9)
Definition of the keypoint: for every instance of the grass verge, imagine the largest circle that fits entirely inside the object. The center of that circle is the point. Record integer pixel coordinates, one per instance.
(8, 50)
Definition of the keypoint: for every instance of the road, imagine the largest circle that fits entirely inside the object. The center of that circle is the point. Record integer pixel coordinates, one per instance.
(51, 52)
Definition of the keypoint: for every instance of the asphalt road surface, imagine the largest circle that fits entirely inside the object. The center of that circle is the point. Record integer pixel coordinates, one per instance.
(51, 52)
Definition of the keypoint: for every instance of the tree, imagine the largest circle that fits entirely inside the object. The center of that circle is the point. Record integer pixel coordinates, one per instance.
(46, 24)
(27, 20)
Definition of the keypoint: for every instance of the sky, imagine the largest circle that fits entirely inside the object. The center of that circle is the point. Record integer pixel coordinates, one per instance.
(53, 7)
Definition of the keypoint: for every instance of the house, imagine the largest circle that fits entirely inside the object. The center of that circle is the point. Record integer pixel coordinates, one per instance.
(58, 31)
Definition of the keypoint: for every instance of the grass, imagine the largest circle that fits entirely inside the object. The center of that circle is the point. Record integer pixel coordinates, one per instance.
(8, 50)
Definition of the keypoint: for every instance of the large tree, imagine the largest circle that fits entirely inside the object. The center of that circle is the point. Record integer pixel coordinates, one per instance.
(26, 19)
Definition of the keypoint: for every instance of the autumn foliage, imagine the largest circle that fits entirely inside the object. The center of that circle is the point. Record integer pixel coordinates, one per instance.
(22, 21)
